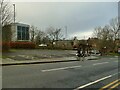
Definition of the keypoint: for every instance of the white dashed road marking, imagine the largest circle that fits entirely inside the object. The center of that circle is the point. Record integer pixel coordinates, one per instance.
(94, 60)
(112, 58)
(116, 56)
(100, 63)
(115, 61)
(55, 69)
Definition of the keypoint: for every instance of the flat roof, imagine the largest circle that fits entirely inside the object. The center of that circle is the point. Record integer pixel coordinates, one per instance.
(21, 24)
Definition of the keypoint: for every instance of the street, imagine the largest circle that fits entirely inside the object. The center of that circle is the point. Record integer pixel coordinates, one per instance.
(76, 75)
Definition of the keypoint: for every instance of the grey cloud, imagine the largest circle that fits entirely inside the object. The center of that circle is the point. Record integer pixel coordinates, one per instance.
(78, 17)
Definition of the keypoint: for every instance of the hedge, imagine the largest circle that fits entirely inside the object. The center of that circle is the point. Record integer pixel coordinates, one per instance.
(26, 45)
(5, 46)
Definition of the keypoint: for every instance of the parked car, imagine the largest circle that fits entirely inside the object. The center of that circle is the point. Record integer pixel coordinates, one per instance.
(43, 45)
(95, 54)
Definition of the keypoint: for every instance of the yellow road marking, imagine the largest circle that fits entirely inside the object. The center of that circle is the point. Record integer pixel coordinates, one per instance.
(114, 86)
(109, 85)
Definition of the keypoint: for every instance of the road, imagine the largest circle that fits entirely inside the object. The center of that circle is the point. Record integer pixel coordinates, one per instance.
(95, 74)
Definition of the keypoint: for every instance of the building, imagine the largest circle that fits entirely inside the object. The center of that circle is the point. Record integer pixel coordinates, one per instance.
(65, 44)
(20, 32)
(16, 35)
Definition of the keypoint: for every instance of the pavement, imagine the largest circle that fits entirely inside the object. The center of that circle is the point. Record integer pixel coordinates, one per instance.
(9, 61)
(21, 57)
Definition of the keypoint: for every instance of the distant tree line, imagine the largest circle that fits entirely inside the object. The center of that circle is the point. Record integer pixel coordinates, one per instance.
(105, 39)
(48, 36)
(108, 36)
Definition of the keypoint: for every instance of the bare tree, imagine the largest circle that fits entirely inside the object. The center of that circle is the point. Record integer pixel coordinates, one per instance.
(33, 31)
(54, 34)
(6, 15)
(114, 26)
(40, 37)
(37, 36)
(50, 32)
(46, 40)
(104, 36)
(6, 12)
(97, 32)
(58, 34)
(108, 34)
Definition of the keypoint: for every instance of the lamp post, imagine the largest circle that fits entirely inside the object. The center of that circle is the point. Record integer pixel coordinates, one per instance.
(14, 20)
(14, 12)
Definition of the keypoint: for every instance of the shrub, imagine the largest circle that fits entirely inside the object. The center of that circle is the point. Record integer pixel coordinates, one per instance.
(5, 46)
(24, 45)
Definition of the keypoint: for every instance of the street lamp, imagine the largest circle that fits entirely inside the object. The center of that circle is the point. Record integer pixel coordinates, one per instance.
(14, 12)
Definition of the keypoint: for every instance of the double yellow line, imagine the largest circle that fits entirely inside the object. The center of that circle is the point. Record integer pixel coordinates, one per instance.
(111, 85)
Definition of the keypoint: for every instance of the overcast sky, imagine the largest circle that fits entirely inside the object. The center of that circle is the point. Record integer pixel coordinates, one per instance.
(80, 17)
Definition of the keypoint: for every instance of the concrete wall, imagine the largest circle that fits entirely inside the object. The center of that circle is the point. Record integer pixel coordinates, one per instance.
(14, 32)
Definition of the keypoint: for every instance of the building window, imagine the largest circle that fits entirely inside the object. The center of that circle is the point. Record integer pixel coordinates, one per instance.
(22, 33)
(19, 35)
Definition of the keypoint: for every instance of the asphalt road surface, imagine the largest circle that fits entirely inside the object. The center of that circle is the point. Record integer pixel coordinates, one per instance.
(97, 74)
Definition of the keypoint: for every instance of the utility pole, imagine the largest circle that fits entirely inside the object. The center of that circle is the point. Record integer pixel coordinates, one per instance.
(84, 37)
(66, 32)
(14, 12)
